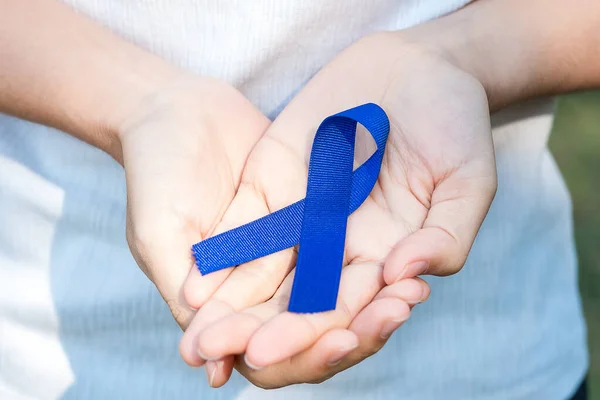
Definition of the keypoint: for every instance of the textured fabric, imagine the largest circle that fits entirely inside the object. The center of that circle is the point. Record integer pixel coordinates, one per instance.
(582, 392)
(79, 320)
(317, 222)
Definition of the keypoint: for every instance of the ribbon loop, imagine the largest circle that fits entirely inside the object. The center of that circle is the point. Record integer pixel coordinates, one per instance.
(318, 222)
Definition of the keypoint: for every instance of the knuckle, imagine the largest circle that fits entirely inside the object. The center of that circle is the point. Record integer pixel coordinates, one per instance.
(456, 253)
(262, 381)
(263, 384)
(140, 237)
(346, 313)
(180, 313)
(493, 185)
(453, 266)
(174, 308)
(139, 251)
(368, 348)
(324, 376)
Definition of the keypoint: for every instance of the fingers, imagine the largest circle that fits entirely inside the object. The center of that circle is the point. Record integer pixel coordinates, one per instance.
(256, 281)
(268, 334)
(372, 327)
(247, 206)
(411, 290)
(231, 335)
(188, 346)
(458, 208)
(314, 365)
(339, 349)
(274, 177)
(274, 166)
(218, 372)
(289, 333)
(237, 288)
(198, 288)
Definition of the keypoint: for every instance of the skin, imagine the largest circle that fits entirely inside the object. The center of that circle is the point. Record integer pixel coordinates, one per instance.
(437, 181)
(441, 169)
(182, 139)
(438, 83)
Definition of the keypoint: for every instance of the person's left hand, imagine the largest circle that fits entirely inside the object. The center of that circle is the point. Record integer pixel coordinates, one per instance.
(436, 184)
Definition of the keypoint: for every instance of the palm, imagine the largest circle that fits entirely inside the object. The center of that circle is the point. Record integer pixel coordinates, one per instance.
(438, 166)
(432, 139)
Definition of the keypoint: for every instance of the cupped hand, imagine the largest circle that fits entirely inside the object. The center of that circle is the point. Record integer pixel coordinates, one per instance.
(183, 150)
(436, 184)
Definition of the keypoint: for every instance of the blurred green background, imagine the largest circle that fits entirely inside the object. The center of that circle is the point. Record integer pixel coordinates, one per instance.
(575, 143)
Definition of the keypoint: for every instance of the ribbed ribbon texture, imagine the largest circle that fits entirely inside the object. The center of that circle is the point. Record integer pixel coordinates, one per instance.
(318, 222)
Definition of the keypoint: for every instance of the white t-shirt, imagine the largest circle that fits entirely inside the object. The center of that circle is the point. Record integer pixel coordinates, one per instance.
(79, 320)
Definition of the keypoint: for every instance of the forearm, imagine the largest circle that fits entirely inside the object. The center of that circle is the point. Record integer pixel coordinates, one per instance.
(521, 49)
(61, 69)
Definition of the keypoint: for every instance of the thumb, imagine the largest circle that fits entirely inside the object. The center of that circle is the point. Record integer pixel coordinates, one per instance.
(440, 247)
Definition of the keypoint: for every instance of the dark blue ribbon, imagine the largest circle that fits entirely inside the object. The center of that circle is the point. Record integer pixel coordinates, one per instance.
(318, 222)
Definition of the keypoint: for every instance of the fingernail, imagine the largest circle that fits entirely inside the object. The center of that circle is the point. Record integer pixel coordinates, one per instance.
(211, 370)
(413, 269)
(390, 326)
(249, 364)
(413, 292)
(339, 355)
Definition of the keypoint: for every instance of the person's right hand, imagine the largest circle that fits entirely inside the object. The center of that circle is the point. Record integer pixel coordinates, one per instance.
(437, 181)
(183, 150)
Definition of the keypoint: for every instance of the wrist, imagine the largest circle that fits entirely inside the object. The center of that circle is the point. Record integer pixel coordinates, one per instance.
(518, 50)
(128, 93)
(503, 67)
